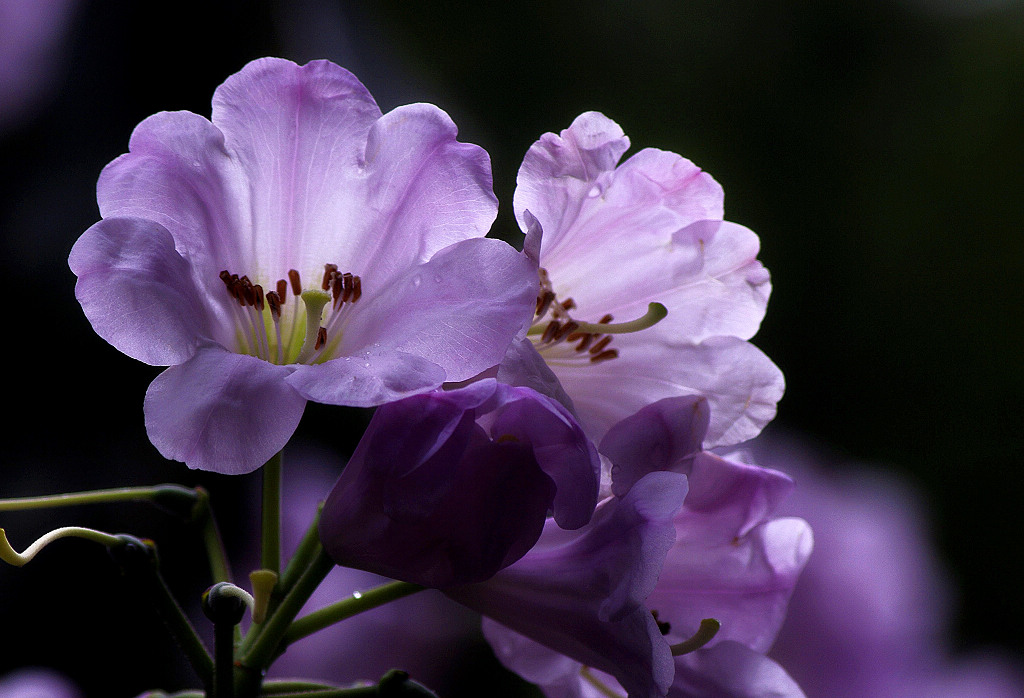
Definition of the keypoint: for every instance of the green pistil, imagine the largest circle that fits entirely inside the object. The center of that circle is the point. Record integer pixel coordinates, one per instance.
(656, 312)
(709, 627)
(315, 300)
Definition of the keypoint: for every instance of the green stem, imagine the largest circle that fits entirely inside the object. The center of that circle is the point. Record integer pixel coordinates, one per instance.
(220, 570)
(340, 610)
(159, 494)
(303, 556)
(272, 514)
(260, 652)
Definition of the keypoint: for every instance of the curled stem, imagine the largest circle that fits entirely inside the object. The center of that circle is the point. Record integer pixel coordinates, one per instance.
(708, 629)
(13, 557)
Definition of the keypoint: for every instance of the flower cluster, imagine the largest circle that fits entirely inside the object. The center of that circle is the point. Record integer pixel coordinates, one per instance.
(539, 447)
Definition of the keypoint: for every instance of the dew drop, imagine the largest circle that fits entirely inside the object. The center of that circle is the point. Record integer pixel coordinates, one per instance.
(357, 594)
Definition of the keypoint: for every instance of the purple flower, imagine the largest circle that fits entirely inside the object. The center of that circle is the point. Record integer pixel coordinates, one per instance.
(615, 239)
(299, 246)
(581, 593)
(424, 634)
(870, 615)
(729, 559)
(449, 487)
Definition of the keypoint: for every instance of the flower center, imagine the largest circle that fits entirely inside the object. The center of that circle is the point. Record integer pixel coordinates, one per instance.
(561, 338)
(269, 327)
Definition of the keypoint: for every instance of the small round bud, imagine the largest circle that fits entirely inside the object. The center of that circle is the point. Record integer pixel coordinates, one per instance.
(397, 684)
(134, 554)
(222, 603)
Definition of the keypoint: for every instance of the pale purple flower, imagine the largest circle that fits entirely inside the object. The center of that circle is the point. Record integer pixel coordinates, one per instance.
(298, 183)
(870, 615)
(730, 559)
(449, 487)
(612, 238)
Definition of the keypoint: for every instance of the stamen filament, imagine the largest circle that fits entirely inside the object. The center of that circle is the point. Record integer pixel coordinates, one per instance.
(13, 557)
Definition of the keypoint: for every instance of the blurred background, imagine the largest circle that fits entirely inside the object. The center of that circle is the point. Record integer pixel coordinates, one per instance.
(876, 147)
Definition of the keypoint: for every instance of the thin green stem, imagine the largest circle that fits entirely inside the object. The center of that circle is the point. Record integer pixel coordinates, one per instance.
(272, 514)
(304, 555)
(220, 569)
(156, 493)
(13, 557)
(340, 610)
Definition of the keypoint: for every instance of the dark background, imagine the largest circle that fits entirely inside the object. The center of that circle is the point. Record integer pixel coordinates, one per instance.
(876, 147)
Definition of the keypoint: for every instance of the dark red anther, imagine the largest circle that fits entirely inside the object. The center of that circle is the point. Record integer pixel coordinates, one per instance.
(550, 331)
(605, 319)
(585, 340)
(357, 288)
(337, 288)
(274, 301)
(258, 301)
(225, 276)
(544, 302)
(248, 292)
(604, 355)
(329, 271)
(566, 329)
(346, 287)
(321, 338)
(568, 304)
(601, 344)
(235, 289)
(282, 291)
(293, 277)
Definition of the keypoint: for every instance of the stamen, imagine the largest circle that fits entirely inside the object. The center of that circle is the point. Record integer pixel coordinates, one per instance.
(709, 627)
(566, 329)
(259, 297)
(282, 290)
(321, 338)
(604, 356)
(346, 287)
(601, 344)
(293, 277)
(329, 271)
(585, 340)
(544, 301)
(357, 288)
(550, 331)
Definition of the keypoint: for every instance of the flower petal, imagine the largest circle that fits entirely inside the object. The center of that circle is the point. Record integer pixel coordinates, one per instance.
(222, 412)
(581, 592)
(428, 498)
(366, 380)
(459, 310)
(729, 561)
(663, 436)
(740, 383)
(731, 670)
(334, 181)
(136, 290)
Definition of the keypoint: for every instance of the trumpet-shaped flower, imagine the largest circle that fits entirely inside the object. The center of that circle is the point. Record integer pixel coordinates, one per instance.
(612, 239)
(298, 246)
(449, 487)
(727, 558)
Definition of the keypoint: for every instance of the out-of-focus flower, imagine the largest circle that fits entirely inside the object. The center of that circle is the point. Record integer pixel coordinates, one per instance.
(449, 487)
(299, 246)
(611, 239)
(869, 616)
(30, 35)
(37, 683)
(727, 558)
